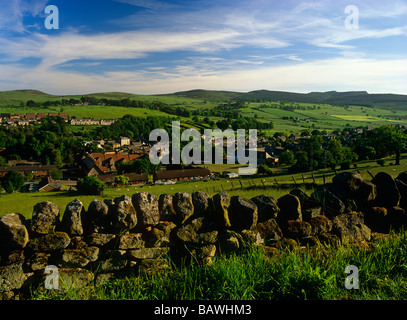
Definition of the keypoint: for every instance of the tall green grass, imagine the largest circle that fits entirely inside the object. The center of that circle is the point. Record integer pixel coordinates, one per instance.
(300, 274)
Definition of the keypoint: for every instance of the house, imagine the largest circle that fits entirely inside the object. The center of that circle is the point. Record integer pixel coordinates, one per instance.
(179, 175)
(230, 175)
(273, 154)
(96, 164)
(63, 115)
(124, 141)
(38, 171)
(134, 178)
(294, 137)
(107, 122)
(31, 116)
(41, 115)
(48, 184)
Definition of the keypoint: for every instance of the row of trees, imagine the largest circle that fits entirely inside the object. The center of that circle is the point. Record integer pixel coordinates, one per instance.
(373, 144)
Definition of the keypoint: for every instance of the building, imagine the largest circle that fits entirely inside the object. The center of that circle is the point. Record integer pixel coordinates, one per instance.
(179, 175)
(134, 178)
(38, 171)
(124, 141)
(96, 164)
(48, 184)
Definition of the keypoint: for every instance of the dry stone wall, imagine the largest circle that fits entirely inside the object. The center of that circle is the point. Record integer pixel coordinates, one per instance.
(133, 235)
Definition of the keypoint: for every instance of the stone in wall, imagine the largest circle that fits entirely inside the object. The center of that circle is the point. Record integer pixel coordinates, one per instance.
(166, 208)
(388, 194)
(197, 232)
(123, 214)
(332, 205)
(270, 230)
(45, 218)
(12, 277)
(97, 217)
(72, 218)
(49, 242)
(290, 208)
(242, 213)
(13, 232)
(266, 207)
(350, 227)
(202, 204)
(221, 202)
(146, 205)
(309, 207)
(183, 206)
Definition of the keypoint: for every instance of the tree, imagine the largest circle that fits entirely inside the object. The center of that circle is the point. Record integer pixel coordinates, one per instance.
(264, 170)
(12, 181)
(56, 174)
(90, 186)
(286, 158)
(121, 180)
(391, 139)
(302, 163)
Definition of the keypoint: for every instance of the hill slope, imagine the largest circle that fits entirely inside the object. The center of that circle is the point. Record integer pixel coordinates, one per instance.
(358, 98)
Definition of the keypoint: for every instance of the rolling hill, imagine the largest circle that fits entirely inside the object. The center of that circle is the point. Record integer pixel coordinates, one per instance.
(356, 98)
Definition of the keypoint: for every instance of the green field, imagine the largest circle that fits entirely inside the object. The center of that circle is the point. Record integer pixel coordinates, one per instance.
(314, 116)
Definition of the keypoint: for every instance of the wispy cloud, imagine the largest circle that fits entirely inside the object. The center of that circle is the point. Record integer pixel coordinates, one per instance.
(149, 4)
(12, 13)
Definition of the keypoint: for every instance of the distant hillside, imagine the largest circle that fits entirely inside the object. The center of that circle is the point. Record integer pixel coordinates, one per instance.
(356, 98)
(209, 95)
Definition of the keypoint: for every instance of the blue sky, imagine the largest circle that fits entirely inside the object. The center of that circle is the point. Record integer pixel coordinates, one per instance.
(154, 46)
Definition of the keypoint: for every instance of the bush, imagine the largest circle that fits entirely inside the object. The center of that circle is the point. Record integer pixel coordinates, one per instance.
(12, 181)
(90, 186)
(381, 162)
(346, 165)
(121, 180)
(264, 170)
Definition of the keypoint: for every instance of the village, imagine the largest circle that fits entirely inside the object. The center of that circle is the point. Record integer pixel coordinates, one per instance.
(21, 119)
(110, 154)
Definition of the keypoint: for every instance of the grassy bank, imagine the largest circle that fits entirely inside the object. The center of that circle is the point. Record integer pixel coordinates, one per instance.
(305, 274)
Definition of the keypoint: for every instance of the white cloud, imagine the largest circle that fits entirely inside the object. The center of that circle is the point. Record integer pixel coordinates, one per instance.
(149, 4)
(12, 13)
(332, 74)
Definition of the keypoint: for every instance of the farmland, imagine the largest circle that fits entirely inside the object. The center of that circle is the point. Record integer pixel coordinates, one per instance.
(289, 117)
